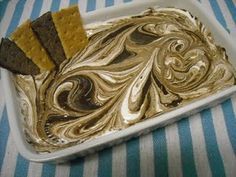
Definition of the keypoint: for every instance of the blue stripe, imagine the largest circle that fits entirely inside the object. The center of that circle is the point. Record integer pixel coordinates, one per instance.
(160, 153)
(36, 9)
(72, 2)
(186, 147)
(219, 16)
(133, 158)
(231, 8)
(91, 5)
(230, 121)
(48, 170)
(214, 157)
(16, 16)
(109, 3)
(105, 163)
(127, 0)
(4, 133)
(3, 6)
(22, 166)
(55, 5)
(77, 167)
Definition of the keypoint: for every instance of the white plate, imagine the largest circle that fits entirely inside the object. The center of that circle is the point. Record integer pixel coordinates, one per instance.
(221, 37)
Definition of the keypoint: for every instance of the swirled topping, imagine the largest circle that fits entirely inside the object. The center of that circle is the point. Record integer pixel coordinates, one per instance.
(132, 69)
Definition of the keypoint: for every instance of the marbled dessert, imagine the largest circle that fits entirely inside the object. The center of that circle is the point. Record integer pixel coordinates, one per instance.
(132, 69)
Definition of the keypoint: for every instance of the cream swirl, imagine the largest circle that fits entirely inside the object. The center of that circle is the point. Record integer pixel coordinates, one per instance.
(131, 70)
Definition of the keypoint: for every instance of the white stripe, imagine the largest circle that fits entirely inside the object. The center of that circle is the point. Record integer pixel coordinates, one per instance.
(9, 162)
(7, 17)
(206, 4)
(137, 1)
(225, 148)
(199, 148)
(35, 169)
(119, 160)
(100, 4)
(82, 6)
(62, 170)
(45, 6)
(173, 151)
(64, 4)
(118, 2)
(91, 165)
(146, 156)
(228, 18)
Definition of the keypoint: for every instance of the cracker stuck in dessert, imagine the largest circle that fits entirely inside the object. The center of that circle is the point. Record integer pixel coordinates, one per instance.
(14, 59)
(70, 30)
(46, 32)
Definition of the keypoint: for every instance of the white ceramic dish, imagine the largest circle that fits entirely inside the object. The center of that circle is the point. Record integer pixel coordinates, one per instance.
(221, 37)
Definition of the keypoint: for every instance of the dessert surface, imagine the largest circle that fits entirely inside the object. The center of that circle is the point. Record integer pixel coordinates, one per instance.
(132, 69)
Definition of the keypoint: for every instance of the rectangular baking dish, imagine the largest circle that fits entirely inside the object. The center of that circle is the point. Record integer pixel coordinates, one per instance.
(221, 37)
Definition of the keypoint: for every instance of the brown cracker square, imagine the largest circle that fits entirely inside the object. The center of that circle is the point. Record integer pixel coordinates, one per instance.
(46, 32)
(15, 60)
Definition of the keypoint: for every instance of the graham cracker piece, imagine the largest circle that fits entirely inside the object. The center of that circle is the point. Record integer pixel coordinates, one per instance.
(46, 32)
(70, 30)
(29, 43)
(15, 60)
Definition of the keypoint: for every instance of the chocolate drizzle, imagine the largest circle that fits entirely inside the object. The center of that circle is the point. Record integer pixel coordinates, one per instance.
(131, 70)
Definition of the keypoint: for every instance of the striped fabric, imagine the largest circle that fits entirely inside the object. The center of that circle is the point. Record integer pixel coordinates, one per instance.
(201, 145)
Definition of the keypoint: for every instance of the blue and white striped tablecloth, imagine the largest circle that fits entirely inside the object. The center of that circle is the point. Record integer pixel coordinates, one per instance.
(202, 145)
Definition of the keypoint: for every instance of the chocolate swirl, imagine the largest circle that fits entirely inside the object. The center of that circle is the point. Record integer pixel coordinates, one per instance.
(131, 70)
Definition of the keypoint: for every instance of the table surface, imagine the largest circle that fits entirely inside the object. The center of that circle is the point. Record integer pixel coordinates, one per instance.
(201, 145)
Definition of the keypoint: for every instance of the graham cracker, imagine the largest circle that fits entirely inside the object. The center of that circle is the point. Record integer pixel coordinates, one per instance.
(70, 30)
